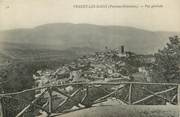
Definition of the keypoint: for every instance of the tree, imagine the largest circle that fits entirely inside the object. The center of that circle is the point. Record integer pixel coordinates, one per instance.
(167, 63)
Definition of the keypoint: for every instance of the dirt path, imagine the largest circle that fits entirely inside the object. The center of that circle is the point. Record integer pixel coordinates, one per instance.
(125, 111)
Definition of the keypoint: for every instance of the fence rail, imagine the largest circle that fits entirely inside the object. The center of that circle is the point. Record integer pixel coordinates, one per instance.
(84, 95)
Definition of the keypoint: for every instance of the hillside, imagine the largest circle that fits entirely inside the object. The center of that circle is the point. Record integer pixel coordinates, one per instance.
(25, 52)
(61, 36)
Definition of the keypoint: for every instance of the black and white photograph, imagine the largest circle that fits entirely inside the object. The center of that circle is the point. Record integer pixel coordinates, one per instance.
(89, 58)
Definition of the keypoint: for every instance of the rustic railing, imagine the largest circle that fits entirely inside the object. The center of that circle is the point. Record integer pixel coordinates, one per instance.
(84, 95)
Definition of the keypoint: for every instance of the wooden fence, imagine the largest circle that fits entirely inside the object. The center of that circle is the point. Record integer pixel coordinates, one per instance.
(84, 95)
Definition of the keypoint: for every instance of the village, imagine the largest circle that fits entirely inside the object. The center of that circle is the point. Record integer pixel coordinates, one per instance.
(109, 65)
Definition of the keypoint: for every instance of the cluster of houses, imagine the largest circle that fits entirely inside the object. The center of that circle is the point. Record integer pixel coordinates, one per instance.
(106, 65)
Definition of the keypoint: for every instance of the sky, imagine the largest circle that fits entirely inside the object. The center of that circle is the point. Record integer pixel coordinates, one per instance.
(31, 13)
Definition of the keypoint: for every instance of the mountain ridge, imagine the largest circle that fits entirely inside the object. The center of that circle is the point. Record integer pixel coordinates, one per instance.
(62, 36)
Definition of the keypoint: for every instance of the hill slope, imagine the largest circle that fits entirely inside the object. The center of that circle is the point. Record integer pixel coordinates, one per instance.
(62, 36)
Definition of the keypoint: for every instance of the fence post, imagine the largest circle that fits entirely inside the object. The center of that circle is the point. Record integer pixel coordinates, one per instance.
(130, 94)
(178, 99)
(50, 100)
(178, 95)
(1, 107)
(87, 96)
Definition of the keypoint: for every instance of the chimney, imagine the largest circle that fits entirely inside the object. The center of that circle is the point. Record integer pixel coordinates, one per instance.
(122, 49)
